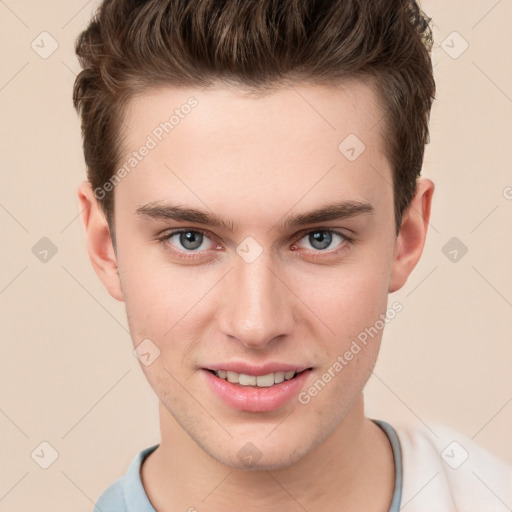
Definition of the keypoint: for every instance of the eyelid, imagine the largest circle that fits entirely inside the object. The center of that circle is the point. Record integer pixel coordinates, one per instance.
(347, 240)
(167, 235)
(338, 231)
(174, 231)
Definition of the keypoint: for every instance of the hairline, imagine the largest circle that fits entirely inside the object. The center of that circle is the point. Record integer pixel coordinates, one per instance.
(367, 78)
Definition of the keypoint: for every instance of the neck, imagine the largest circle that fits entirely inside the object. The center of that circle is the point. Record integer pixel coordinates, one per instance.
(352, 469)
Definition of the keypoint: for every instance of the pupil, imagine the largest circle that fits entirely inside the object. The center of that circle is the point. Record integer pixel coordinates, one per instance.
(191, 240)
(320, 239)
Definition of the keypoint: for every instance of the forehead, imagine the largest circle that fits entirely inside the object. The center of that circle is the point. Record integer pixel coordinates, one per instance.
(224, 145)
(349, 107)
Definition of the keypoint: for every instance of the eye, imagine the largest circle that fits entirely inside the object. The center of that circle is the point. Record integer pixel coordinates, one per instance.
(189, 240)
(323, 239)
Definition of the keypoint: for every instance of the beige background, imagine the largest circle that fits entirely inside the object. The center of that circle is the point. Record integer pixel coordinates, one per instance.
(68, 374)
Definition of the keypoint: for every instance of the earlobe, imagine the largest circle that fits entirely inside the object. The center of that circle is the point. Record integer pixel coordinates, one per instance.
(99, 241)
(411, 238)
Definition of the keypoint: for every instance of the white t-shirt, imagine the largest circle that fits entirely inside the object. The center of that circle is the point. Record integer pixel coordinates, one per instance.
(444, 471)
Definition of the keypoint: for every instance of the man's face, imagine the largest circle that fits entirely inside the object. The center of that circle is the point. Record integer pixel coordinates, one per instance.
(261, 293)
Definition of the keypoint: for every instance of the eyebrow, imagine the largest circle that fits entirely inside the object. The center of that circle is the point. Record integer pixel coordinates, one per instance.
(330, 212)
(182, 214)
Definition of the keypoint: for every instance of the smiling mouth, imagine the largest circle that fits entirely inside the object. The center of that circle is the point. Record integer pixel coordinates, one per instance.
(260, 381)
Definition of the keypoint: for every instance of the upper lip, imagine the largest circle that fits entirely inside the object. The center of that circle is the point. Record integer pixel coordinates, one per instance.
(257, 369)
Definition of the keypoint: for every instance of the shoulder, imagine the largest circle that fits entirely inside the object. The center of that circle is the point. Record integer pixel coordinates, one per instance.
(127, 493)
(447, 471)
(112, 499)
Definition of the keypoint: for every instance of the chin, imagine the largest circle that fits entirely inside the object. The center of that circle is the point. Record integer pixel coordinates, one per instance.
(259, 454)
(270, 463)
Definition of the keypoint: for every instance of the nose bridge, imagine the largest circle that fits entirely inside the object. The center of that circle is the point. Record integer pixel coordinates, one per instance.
(258, 309)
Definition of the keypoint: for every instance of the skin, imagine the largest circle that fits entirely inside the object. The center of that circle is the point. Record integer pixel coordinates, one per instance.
(254, 161)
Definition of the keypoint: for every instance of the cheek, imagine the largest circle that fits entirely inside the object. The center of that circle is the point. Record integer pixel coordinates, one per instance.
(347, 299)
(166, 304)
(157, 293)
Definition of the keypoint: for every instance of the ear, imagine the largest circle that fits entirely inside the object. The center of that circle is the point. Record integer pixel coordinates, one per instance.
(411, 238)
(99, 242)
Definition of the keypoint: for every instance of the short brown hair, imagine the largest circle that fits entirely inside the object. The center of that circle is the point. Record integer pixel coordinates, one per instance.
(131, 46)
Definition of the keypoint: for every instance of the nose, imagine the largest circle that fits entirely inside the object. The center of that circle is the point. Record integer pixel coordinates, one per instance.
(257, 306)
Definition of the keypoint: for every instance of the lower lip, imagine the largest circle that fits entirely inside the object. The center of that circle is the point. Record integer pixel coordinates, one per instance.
(255, 399)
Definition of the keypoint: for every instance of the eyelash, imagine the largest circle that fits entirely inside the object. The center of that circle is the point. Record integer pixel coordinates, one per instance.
(164, 239)
(345, 244)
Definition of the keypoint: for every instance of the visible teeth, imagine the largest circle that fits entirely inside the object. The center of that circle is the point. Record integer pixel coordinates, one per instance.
(278, 377)
(262, 381)
(246, 380)
(232, 377)
(265, 381)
